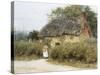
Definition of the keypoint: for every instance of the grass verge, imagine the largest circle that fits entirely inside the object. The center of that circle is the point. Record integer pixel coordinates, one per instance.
(76, 64)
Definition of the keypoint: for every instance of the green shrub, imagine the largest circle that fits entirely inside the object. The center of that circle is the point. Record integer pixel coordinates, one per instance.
(28, 49)
(85, 51)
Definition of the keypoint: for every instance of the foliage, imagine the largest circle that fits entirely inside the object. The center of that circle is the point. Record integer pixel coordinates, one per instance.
(83, 51)
(27, 49)
(69, 11)
(33, 35)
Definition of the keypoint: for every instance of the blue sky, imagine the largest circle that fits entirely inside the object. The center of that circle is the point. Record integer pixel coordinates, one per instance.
(30, 16)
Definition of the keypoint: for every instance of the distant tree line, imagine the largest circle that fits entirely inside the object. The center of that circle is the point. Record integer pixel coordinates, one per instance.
(18, 36)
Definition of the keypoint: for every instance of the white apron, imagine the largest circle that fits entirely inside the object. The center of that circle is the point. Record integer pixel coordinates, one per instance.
(45, 51)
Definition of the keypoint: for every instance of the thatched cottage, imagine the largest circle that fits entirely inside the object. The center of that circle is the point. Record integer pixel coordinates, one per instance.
(69, 29)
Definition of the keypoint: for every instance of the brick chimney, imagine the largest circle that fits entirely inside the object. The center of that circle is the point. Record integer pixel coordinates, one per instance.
(85, 31)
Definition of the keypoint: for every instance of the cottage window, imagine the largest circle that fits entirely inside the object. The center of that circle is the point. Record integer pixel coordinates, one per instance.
(57, 43)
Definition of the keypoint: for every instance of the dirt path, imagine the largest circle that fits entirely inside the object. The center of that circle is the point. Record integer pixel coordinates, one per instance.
(40, 65)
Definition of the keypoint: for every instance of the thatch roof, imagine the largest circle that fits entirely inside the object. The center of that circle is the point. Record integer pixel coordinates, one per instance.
(62, 26)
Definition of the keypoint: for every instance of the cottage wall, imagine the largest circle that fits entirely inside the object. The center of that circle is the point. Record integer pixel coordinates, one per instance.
(63, 39)
(57, 40)
(71, 38)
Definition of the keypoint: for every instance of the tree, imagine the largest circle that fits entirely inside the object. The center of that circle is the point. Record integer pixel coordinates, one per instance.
(69, 11)
(76, 11)
(33, 35)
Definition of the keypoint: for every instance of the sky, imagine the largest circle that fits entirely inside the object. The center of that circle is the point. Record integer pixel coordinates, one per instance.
(29, 16)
